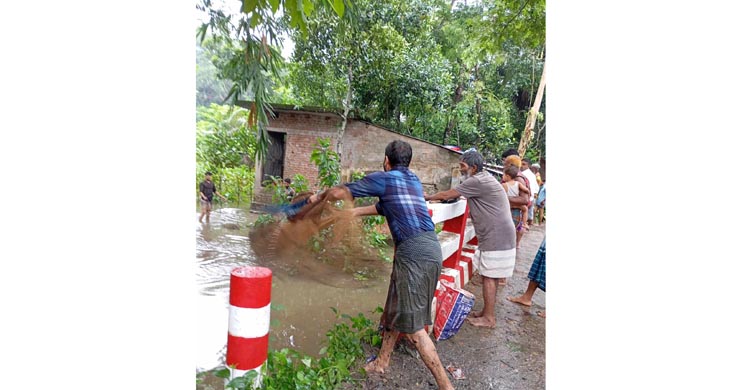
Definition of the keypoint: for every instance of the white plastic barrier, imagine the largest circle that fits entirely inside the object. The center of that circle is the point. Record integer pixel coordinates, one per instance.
(457, 232)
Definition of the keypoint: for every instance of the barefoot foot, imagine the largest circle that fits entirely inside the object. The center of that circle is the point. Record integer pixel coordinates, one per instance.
(519, 300)
(542, 313)
(482, 322)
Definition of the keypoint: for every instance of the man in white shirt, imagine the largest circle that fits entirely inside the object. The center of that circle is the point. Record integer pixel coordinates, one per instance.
(534, 186)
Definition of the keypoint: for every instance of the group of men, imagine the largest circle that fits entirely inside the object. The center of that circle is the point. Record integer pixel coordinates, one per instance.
(418, 258)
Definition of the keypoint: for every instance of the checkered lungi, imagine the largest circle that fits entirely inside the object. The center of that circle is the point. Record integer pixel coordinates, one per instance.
(538, 271)
(416, 269)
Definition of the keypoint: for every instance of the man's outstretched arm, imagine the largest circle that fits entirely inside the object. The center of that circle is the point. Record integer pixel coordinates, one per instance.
(443, 195)
(364, 211)
(333, 193)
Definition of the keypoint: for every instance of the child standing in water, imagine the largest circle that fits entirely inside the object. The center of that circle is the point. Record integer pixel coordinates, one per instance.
(514, 188)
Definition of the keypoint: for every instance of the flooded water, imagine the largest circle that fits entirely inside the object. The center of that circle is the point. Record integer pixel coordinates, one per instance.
(303, 291)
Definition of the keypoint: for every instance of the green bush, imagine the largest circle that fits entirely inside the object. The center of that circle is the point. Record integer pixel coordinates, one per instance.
(235, 183)
(263, 220)
(275, 185)
(290, 369)
(328, 163)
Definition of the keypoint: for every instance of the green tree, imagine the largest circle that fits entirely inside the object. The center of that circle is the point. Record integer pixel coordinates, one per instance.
(386, 70)
(208, 87)
(254, 60)
(516, 29)
(446, 72)
(223, 137)
(224, 145)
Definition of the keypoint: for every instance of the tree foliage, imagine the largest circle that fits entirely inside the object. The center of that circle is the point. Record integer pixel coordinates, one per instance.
(224, 146)
(224, 139)
(448, 72)
(252, 40)
(209, 88)
(428, 70)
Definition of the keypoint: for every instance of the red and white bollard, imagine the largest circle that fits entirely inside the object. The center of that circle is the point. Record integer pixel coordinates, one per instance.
(249, 320)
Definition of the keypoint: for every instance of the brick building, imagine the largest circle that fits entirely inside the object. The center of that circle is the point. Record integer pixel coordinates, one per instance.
(294, 135)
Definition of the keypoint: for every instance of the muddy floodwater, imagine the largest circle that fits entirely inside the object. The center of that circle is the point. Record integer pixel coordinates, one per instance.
(302, 294)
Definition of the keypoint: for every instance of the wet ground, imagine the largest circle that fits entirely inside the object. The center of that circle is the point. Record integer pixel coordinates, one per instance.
(511, 356)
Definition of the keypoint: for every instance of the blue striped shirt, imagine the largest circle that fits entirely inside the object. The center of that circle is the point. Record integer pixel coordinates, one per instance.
(401, 201)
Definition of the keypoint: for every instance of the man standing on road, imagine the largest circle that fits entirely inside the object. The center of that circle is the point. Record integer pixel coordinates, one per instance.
(417, 261)
(207, 191)
(490, 213)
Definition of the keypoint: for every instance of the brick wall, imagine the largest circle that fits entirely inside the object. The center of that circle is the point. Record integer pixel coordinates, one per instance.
(302, 131)
(364, 148)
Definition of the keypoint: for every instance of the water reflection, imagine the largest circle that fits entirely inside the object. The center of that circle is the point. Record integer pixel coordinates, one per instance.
(301, 296)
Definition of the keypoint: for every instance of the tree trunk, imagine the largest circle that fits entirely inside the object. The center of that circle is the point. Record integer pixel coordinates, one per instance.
(528, 130)
(457, 97)
(449, 127)
(345, 115)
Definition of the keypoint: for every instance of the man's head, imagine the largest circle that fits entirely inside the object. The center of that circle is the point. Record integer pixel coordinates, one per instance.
(535, 167)
(397, 153)
(512, 160)
(525, 164)
(509, 152)
(471, 163)
(287, 182)
(208, 176)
